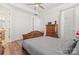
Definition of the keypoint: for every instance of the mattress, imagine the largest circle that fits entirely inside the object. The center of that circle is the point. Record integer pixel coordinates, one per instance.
(45, 46)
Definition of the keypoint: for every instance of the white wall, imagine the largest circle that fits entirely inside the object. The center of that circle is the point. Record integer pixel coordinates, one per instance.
(20, 22)
(55, 14)
(68, 24)
(77, 18)
(38, 23)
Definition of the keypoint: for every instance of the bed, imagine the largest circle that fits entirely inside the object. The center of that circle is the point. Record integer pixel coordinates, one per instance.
(46, 45)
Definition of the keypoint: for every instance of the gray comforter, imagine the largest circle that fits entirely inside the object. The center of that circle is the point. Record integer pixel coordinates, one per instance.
(47, 46)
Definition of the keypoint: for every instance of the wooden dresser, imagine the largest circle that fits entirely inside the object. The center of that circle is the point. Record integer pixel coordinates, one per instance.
(52, 30)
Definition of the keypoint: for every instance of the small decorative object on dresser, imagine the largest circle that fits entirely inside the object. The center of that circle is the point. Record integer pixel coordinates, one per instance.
(32, 34)
(49, 22)
(52, 30)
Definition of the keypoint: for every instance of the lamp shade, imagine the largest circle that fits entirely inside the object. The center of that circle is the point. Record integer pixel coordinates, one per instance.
(77, 33)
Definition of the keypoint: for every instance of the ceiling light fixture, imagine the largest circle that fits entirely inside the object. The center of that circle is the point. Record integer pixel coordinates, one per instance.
(36, 5)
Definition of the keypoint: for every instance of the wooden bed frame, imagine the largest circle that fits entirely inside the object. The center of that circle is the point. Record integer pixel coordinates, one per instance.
(50, 29)
(32, 34)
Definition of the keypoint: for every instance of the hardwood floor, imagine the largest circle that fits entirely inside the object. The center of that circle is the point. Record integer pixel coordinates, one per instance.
(14, 48)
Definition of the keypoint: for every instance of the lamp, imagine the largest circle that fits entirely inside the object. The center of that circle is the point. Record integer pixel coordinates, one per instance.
(77, 35)
(36, 5)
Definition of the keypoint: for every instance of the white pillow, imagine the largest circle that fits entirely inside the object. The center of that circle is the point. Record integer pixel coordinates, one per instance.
(76, 50)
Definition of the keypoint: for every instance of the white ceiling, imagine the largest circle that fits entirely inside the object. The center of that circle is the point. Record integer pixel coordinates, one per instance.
(51, 5)
(45, 5)
(30, 8)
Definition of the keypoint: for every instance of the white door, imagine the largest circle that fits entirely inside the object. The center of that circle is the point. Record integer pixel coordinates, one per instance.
(68, 23)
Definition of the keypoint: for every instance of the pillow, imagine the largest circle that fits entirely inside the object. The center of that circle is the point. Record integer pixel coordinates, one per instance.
(76, 49)
(68, 46)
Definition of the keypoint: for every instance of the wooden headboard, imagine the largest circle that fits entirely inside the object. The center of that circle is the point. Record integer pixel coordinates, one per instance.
(32, 34)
